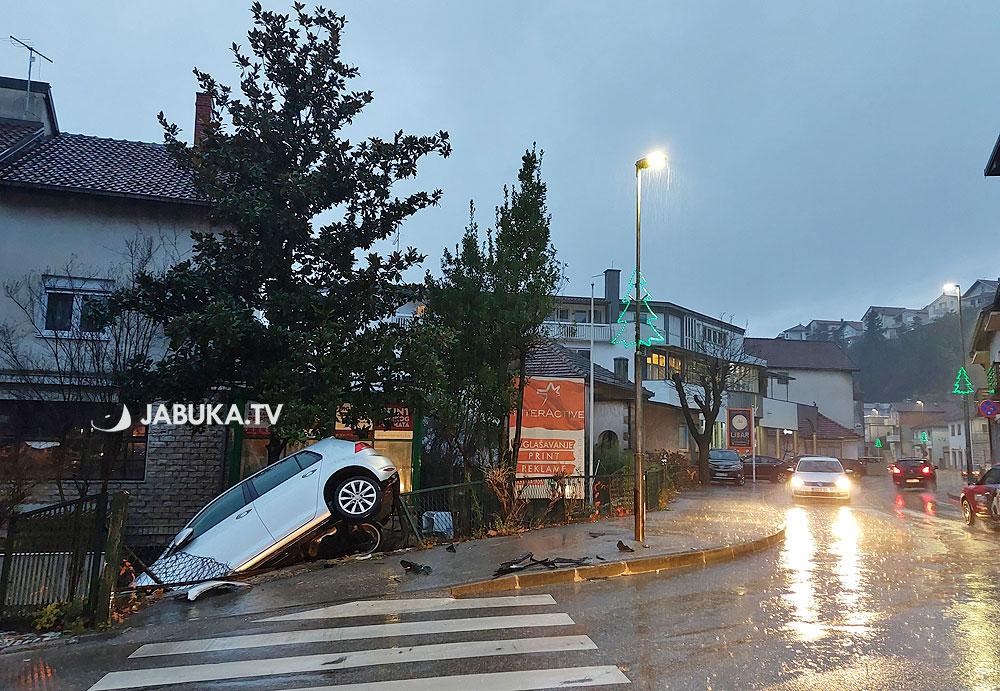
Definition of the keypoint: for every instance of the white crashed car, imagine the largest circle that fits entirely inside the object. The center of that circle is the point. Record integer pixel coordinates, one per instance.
(283, 503)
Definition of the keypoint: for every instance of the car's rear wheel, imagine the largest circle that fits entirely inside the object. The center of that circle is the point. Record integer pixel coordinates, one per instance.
(781, 477)
(364, 538)
(356, 497)
(967, 513)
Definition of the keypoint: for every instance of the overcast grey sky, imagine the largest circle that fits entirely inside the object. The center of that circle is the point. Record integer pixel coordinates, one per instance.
(824, 158)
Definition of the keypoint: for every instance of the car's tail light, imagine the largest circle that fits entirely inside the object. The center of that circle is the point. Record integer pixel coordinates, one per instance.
(926, 470)
(896, 470)
(359, 445)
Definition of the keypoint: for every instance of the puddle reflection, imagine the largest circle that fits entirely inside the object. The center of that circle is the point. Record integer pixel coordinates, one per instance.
(36, 674)
(826, 581)
(978, 631)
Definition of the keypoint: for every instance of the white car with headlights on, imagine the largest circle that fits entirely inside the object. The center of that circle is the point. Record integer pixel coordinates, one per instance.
(820, 476)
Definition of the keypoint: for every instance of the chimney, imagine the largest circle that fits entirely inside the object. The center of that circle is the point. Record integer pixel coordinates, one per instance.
(202, 115)
(612, 294)
(621, 368)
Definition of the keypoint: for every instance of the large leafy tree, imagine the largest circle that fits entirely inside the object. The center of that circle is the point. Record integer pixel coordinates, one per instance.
(702, 386)
(288, 302)
(492, 297)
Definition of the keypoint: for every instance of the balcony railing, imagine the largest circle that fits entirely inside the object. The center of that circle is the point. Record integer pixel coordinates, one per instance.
(576, 331)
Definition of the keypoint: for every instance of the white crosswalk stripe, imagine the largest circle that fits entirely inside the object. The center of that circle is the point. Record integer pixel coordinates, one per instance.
(350, 633)
(201, 665)
(526, 680)
(425, 604)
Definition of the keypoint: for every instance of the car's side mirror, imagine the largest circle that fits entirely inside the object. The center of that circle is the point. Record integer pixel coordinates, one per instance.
(182, 537)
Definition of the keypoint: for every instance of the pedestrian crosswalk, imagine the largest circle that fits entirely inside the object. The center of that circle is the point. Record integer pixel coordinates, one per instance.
(506, 643)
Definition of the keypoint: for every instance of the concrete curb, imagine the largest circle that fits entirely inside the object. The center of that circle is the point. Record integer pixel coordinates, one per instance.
(628, 567)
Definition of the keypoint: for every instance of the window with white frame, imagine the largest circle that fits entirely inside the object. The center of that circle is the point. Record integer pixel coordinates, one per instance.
(70, 305)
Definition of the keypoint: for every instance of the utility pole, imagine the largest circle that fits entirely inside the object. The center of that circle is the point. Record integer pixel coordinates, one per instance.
(638, 494)
(653, 161)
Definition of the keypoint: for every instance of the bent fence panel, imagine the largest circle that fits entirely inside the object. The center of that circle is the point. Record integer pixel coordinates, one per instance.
(49, 556)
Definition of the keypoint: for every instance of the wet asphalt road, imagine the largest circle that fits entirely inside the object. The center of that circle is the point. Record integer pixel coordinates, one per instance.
(889, 592)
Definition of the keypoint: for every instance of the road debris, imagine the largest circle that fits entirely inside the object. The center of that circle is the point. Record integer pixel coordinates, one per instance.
(414, 567)
(527, 561)
(622, 547)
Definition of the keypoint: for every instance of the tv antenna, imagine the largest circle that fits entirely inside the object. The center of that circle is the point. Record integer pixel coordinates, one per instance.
(32, 52)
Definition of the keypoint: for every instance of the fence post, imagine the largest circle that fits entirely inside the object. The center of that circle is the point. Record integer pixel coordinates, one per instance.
(112, 558)
(96, 546)
(8, 557)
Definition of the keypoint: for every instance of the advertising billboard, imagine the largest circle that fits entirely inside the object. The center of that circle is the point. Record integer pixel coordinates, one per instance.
(552, 428)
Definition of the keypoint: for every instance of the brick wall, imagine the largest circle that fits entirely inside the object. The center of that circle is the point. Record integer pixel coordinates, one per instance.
(184, 471)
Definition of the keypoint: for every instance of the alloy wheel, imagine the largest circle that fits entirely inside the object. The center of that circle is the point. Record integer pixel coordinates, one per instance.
(967, 514)
(357, 497)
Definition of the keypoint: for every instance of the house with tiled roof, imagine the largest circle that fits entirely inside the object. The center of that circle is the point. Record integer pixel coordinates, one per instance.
(818, 374)
(683, 338)
(840, 330)
(75, 211)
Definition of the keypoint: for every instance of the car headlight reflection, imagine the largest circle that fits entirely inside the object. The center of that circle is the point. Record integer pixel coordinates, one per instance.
(843, 483)
(797, 481)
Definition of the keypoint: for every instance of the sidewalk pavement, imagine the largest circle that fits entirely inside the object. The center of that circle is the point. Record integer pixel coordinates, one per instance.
(700, 519)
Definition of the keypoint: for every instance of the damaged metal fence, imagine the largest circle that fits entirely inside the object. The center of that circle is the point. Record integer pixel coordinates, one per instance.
(469, 509)
(57, 554)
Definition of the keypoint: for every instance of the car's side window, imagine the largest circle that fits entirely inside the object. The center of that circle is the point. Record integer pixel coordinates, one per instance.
(306, 458)
(992, 477)
(219, 510)
(274, 475)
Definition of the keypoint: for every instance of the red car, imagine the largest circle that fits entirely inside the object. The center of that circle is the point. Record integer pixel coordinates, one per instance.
(981, 497)
(913, 472)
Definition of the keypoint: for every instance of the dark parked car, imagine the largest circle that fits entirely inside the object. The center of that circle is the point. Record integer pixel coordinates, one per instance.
(913, 472)
(725, 466)
(979, 498)
(856, 466)
(768, 468)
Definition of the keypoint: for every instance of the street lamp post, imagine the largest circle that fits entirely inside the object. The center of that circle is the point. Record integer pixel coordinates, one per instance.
(653, 161)
(965, 398)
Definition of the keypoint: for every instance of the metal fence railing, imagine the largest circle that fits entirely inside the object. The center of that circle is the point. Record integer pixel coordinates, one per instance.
(473, 508)
(57, 554)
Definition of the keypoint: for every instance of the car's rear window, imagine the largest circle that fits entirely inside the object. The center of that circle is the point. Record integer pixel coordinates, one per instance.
(911, 462)
(817, 465)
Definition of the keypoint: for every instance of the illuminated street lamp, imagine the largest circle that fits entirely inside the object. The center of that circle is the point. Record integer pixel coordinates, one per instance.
(955, 289)
(655, 160)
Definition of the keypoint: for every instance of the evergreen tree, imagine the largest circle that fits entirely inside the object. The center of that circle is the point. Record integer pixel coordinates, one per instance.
(493, 296)
(288, 302)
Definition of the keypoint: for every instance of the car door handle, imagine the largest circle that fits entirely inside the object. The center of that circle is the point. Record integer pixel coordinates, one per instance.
(241, 514)
(309, 473)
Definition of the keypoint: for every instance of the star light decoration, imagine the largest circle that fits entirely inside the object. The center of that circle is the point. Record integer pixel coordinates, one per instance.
(656, 336)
